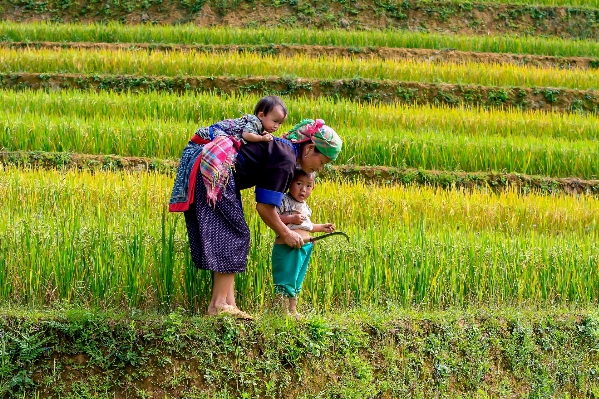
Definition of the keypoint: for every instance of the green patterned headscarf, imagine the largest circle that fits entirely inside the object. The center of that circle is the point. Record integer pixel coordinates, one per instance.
(324, 138)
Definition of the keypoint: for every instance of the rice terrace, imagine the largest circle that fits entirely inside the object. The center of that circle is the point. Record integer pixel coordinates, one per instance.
(468, 185)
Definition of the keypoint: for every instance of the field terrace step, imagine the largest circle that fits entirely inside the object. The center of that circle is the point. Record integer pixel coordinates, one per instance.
(367, 174)
(525, 98)
(450, 16)
(387, 53)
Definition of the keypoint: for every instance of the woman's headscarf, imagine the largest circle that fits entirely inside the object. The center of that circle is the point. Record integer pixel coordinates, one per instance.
(324, 138)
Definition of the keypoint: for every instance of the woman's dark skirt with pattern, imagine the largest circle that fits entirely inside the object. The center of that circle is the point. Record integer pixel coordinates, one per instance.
(219, 237)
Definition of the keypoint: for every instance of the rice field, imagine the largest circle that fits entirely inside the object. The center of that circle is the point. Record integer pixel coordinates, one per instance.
(426, 149)
(176, 63)
(555, 145)
(96, 253)
(105, 239)
(191, 108)
(190, 34)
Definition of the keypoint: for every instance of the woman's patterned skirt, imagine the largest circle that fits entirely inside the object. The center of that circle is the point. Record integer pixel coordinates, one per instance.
(219, 236)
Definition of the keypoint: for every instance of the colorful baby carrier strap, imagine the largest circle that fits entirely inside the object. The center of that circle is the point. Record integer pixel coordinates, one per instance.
(217, 160)
(212, 159)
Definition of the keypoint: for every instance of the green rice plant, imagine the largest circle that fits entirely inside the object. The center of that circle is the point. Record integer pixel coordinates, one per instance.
(420, 148)
(191, 34)
(409, 245)
(434, 150)
(178, 63)
(188, 111)
(143, 137)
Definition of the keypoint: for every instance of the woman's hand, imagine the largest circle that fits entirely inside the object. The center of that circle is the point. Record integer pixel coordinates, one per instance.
(293, 239)
(272, 219)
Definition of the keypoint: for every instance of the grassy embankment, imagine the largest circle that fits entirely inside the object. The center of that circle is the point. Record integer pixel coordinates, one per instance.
(369, 352)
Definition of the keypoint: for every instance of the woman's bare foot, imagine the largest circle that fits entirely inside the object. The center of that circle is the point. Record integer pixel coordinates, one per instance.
(229, 310)
(215, 307)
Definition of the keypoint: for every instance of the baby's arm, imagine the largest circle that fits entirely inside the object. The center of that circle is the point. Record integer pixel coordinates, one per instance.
(296, 218)
(255, 138)
(324, 228)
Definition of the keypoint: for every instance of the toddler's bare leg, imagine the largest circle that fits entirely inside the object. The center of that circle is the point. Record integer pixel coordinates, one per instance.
(292, 305)
(281, 303)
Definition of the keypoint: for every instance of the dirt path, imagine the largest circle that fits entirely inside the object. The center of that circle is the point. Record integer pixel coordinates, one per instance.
(368, 174)
(528, 98)
(389, 53)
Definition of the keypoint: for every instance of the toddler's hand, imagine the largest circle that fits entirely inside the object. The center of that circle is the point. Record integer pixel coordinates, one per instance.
(267, 137)
(329, 227)
(297, 218)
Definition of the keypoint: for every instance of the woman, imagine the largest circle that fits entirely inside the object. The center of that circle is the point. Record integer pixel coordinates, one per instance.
(218, 233)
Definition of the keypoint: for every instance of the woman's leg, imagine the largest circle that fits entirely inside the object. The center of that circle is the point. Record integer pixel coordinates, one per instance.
(220, 238)
(221, 289)
(231, 295)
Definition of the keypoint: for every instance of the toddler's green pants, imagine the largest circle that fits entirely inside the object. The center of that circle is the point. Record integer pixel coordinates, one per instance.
(289, 267)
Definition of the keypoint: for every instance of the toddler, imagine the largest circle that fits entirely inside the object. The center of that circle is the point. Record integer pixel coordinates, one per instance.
(289, 265)
(270, 112)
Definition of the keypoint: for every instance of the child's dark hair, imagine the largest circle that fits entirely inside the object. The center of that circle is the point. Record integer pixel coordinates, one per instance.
(268, 103)
(300, 172)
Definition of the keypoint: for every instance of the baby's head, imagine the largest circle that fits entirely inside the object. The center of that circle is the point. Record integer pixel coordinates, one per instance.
(272, 112)
(302, 185)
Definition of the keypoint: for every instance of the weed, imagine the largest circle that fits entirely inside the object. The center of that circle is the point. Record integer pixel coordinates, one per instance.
(222, 7)
(498, 97)
(551, 95)
(407, 94)
(446, 97)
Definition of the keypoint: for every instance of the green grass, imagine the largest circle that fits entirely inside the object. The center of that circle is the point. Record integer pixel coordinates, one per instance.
(191, 34)
(202, 64)
(578, 3)
(105, 239)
